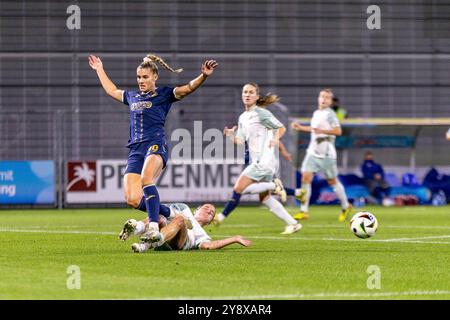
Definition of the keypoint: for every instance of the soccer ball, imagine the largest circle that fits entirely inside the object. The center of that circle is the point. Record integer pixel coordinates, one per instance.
(364, 224)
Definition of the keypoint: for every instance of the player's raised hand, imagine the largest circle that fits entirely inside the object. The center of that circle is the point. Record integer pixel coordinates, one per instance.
(227, 132)
(296, 126)
(95, 62)
(242, 241)
(208, 67)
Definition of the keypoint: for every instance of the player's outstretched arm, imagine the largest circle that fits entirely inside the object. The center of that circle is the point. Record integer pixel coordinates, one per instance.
(107, 84)
(207, 69)
(336, 131)
(217, 244)
(298, 127)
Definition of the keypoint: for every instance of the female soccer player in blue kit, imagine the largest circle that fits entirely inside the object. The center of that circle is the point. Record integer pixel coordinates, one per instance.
(149, 107)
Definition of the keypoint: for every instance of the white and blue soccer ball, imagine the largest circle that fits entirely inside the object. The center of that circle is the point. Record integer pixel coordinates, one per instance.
(364, 224)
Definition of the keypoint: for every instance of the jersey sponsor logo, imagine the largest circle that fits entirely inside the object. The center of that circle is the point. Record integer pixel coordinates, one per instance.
(82, 176)
(140, 105)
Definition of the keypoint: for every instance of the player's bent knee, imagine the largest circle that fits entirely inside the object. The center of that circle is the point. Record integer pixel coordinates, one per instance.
(179, 221)
(133, 201)
(147, 180)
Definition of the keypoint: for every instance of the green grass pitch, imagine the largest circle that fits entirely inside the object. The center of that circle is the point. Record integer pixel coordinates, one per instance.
(324, 260)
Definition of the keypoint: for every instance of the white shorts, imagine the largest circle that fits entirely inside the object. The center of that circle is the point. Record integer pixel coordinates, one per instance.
(327, 166)
(258, 173)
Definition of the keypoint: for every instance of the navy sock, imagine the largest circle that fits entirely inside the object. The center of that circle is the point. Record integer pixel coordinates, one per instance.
(152, 201)
(142, 206)
(290, 192)
(164, 210)
(232, 204)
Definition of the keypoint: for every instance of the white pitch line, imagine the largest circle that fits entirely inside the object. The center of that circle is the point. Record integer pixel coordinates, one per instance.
(384, 227)
(417, 238)
(408, 240)
(311, 295)
(404, 240)
(256, 226)
(330, 226)
(384, 241)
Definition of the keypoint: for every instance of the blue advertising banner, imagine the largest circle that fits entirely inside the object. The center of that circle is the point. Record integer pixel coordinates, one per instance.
(27, 182)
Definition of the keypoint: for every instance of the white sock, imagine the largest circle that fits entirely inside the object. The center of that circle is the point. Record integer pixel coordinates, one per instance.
(257, 188)
(153, 225)
(338, 188)
(277, 209)
(305, 206)
(221, 217)
(140, 228)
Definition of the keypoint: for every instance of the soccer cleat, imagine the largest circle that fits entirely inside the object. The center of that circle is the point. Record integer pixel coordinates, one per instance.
(140, 247)
(153, 236)
(345, 212)
(301, 215)
(128, 229)
(292, 228)
(279, 190)
(301, 195)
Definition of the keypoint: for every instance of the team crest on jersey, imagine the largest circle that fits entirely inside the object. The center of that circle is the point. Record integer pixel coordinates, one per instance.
(154, 148)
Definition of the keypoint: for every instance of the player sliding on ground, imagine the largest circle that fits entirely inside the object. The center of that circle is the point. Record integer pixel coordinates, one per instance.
(181, 231)
(262, 131)
(321, 154)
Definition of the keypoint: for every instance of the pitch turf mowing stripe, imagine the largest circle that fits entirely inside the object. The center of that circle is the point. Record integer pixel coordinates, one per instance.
(58, 231)
(314, 295)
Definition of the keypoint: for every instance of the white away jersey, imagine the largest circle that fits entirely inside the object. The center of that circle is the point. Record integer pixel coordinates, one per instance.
(256, 126)
(197, 235)
(322, 145)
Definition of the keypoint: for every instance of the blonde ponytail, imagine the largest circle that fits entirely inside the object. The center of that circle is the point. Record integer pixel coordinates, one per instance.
(164, 64)
(267, 100)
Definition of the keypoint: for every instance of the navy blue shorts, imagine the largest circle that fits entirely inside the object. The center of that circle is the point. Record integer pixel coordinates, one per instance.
(140, 151)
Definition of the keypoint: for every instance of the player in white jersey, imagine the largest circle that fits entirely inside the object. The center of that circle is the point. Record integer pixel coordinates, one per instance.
(262, 131)
(321, 154)
(181, 231)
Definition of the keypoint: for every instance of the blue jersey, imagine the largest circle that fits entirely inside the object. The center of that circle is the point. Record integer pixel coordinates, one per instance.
(148, 113)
